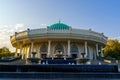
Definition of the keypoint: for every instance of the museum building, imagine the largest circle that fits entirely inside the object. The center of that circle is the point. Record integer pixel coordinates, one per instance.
(60, 39)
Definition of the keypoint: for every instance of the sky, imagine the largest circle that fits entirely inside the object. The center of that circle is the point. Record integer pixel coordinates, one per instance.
(18, 15)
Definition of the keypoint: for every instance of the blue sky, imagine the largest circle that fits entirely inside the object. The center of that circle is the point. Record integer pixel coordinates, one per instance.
(99, 15)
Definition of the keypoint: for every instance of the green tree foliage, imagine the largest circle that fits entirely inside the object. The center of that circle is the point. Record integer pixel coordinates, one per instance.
(112, 49)
(4, 52)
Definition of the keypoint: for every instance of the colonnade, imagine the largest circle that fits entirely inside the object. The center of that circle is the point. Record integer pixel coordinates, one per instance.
(68, 49)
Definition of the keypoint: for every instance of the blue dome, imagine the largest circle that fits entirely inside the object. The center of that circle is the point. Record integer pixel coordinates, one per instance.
(59, 26)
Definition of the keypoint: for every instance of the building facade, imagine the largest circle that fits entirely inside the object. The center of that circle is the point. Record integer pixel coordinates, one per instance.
(59, 38)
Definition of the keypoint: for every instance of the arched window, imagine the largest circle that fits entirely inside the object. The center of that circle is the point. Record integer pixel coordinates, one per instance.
(43, 48)
(73, 48)
(59, 47)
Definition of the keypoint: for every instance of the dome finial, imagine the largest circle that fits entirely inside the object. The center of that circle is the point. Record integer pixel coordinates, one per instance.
(59, 21)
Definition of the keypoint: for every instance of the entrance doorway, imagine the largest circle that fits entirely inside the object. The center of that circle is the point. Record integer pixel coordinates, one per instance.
(74, 55)
(74, 51)
(43, 55)
(59, 51)
(43, 51)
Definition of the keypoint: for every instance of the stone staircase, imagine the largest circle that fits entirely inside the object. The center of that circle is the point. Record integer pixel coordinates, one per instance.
(98, 62)
(20, 62)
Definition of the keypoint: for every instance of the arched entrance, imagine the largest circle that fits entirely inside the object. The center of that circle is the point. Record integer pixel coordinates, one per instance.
(74, 51)
(59, 51)
(43, 51)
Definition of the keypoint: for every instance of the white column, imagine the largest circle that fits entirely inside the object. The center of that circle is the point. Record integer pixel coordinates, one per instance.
(69, 55)
(23, 52)
(101, 51)
(32, 47)
(38, 51)
(49, 44)
(16, 52)
(86, 51)
(96, 51)
(39, 54)
(35, 49)
(21, 49)
(27, 53)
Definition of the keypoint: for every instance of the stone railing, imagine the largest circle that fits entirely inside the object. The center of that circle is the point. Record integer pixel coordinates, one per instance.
(12, 38)
(20, 35)
(89, 33)
(37, 31)
(71, 33)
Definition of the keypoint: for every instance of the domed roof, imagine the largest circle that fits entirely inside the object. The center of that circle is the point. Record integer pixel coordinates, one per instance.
(59, 26)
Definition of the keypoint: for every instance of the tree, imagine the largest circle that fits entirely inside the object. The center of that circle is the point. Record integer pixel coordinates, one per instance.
(4, 52)
(112, 49)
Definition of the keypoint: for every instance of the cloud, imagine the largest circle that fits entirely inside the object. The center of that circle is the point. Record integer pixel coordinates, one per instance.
(116, 37)
(43, 25)
(6, 31)
(17, 26)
